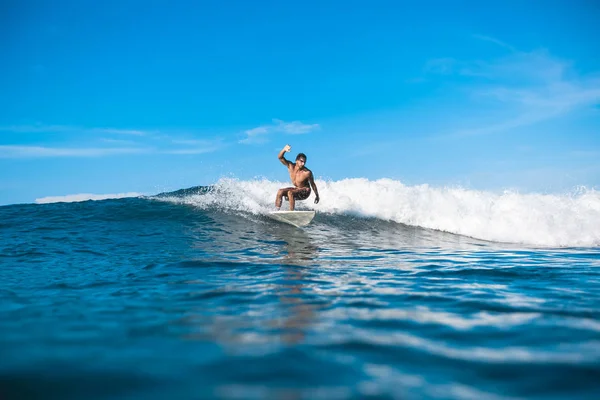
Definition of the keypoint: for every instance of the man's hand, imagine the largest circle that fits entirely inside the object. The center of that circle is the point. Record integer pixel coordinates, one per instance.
(281, 156)
(317, 199)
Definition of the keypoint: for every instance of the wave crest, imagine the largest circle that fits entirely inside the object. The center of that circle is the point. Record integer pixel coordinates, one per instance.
(559, 220)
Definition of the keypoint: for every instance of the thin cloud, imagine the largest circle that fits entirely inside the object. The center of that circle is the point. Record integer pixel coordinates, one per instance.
(260, 134)
(41, 151)
(442, 66)
(140, 143)
(133, 132)
(36, 128)
(194, 142)
(118, 141)
(495, 41)
(294, 127)
(530, 87)
(256, 135)
(585, 153)
(69, 129)
(195, 150)
(56, 152)
(195, 146)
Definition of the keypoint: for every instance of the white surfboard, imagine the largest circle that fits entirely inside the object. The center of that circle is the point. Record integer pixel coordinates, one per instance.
(295, 218)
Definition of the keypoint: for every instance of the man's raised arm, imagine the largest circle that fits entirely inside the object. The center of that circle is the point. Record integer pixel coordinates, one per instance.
(285, 149)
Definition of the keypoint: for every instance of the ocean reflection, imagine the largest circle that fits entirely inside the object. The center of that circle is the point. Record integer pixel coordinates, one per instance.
(298, 313)
(298, 249)
(276, 310)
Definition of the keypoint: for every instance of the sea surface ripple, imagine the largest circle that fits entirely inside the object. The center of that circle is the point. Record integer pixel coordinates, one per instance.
(146, 298)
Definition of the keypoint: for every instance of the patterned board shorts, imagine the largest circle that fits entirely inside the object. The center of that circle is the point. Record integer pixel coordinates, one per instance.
(299, 193)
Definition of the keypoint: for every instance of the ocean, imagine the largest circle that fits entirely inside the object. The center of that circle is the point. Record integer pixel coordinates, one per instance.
(393, 291)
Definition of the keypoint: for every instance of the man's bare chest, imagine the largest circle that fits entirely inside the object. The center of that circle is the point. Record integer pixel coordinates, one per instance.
(299, 175)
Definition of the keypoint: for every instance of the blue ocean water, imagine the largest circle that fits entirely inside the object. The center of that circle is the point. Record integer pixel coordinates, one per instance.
(394, 292)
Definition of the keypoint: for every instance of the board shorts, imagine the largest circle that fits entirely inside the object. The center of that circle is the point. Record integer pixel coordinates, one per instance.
(300, 193)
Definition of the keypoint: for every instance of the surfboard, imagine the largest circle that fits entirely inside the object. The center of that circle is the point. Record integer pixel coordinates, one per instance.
(295, 218)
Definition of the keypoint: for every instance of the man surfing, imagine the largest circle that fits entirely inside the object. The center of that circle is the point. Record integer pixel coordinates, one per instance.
(301, 178)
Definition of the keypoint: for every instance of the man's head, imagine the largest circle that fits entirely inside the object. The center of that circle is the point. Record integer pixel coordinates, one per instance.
(301, 159)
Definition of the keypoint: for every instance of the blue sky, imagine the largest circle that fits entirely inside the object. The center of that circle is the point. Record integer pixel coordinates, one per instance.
(147, 96)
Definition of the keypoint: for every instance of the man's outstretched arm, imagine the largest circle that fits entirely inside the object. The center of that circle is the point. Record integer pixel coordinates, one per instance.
(314, 187)
(285, 149)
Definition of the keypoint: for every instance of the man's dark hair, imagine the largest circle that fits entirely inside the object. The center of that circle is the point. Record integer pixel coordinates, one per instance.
(301, 155)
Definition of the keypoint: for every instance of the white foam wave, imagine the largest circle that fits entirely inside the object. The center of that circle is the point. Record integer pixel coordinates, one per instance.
(535, 219)
(72, 198)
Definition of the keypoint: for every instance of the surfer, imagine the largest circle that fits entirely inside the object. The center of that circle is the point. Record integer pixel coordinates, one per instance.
(301, 177)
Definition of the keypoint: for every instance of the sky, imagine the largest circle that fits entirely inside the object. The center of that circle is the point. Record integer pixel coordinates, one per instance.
(150, 96)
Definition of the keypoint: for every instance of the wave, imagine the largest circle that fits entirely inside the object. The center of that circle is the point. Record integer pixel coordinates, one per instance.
(547, 220)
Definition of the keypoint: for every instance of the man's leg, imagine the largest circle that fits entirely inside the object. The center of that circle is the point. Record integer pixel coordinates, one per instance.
(280, 194)
(279, 198)
(291, 199)
(296, 192)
